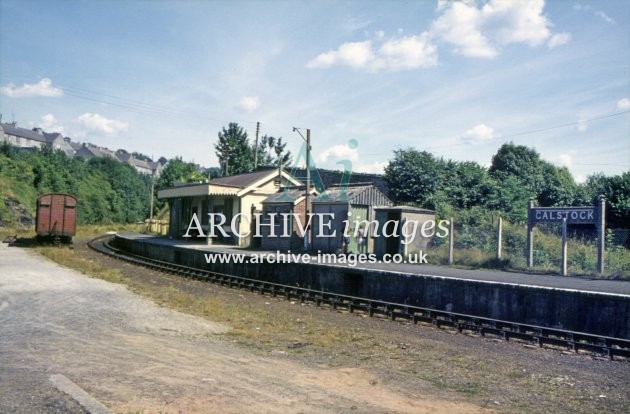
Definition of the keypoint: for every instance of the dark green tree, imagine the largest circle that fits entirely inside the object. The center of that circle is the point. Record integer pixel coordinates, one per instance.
(272, 152)
(179, 171)
(616, 189)
(234, 151)
(414, 177)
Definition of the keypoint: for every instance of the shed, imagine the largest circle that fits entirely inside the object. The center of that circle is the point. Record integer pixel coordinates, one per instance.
(291, 200)
(351, 205)
(399, 217)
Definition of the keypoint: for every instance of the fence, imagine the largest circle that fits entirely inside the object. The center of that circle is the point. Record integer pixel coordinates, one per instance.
(477, 245)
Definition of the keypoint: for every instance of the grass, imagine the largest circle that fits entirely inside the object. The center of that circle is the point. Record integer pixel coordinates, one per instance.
(582, 255)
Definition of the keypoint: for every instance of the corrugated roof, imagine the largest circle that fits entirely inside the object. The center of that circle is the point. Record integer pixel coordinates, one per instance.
(354, 194)
(406, 209)
(241, 180)
(287, 196)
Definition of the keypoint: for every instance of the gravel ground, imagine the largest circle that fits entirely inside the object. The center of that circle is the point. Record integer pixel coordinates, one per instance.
(135, 356)
(423, 360)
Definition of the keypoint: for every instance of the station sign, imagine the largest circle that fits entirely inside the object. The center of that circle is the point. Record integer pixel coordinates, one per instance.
(595, 215)
(574, 215)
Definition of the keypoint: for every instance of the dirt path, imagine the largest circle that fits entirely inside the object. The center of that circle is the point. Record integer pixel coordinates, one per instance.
(132, 355)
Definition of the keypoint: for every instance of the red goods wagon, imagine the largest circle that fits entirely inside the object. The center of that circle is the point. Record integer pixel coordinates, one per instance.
(56, 216)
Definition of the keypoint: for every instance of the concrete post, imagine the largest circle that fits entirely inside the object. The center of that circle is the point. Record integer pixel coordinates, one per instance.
(563, 266)
(450, 243)
(530, 234)
(601, 233)
(499, 230)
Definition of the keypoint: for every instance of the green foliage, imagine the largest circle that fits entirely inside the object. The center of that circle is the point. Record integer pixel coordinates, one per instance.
(272, 152)
(415, 177)
(179, 171)
(108, 191)
(616, 189)
(517, 174)
(233, 150)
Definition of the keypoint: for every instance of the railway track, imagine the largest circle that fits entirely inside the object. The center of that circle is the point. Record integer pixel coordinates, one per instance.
(538, 335)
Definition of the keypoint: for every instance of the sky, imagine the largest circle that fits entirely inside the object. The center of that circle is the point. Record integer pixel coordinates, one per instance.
(457, 79)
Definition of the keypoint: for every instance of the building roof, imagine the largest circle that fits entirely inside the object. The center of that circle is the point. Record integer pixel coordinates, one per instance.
(334, 177)
(364, 194)
(34, 134)
(406, 209)
(91, 150)
(242, 180)
(238, 185)
(289, 195)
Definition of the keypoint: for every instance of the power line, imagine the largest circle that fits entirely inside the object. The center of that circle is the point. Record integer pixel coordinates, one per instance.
(137, 106)
(528, 132)
(534, 131)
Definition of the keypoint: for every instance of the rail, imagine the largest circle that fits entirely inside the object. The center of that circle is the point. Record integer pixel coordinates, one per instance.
(541, 336)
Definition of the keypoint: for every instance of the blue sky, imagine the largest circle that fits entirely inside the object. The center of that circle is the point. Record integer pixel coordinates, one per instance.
(457, 79)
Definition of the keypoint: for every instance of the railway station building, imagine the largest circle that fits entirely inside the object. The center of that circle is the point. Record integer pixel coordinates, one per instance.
(232, 196)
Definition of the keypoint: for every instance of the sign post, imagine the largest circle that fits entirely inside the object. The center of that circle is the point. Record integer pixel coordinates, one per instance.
(564, 247)
(601, 233)
(530, 234)
(595, 215)
(499, 230)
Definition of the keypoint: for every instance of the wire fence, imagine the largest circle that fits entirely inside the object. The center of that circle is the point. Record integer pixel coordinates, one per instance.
(478, 246)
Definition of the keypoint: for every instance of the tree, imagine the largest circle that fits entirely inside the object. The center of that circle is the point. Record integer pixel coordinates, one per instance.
(616, 189)
(233, 150)
(179, 171)
(550, 185)
(521, 162)
(271, 152)
(468, 184)
(414, 177)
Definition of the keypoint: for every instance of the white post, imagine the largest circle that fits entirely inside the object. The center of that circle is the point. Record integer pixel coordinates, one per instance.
(450, 244)
(499, 230)
(564, 247)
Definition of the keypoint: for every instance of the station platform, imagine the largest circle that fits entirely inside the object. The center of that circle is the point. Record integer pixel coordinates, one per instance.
(581, 284)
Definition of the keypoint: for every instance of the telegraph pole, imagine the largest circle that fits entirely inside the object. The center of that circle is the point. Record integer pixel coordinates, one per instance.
(256, 147)
(308, 176)
(151, 199)
(308, 181)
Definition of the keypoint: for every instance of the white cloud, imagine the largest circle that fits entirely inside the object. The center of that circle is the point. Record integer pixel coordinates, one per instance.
(99, 123)
(377, 167)
(558, 39)
(481, 30)
(479, 133)
(42, 88)
(566, 160)
(460, 24)
(605, 17)
(475, 29)
(339, 152)
(49, 124)
(354, 54)
(582, 125)
(352, 24)
(406, 52)
(623, 103)
(248, 103)
(599, 13)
